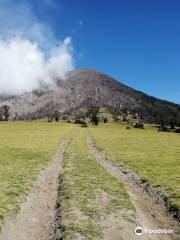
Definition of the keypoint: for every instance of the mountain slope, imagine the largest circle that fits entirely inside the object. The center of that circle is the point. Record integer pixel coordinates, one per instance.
(86, 87)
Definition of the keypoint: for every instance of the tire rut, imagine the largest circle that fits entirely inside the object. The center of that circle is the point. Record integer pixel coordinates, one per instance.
(149, 214)
(35, 219)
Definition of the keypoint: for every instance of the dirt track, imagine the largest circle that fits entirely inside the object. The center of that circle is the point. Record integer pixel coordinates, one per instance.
(35, 219)
(149, 214)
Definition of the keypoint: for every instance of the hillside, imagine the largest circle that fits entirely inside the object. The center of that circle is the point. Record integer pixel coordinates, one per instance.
(86, 87)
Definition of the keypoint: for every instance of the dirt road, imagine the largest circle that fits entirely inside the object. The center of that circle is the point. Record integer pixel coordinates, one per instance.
(149, 214)
(35, 219)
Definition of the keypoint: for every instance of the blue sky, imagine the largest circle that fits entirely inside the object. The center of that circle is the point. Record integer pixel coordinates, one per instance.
(136, 42)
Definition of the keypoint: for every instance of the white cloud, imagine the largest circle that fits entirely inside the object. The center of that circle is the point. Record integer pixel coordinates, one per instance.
(29, 51)
(61, 59)
(23, 64)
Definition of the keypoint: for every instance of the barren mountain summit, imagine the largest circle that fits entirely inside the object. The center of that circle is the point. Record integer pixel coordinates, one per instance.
(87, 87)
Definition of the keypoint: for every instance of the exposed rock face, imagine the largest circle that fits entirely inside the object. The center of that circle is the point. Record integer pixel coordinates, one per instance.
(84, 88)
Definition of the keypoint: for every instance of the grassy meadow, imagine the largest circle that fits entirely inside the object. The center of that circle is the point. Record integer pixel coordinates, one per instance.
(25, 148)
(153, 155)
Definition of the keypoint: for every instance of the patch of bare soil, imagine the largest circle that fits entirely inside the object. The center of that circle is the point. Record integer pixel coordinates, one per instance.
(37, 212)
(150, 214)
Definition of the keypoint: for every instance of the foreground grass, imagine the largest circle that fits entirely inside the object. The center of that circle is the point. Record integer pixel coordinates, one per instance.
(155, 156)
(25, 148)
(87, 191)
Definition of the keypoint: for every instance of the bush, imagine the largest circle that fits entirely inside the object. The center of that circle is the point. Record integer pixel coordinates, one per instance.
(163, 129)
(57, 119)
(65, 117)
(139, 125)
(128, 127)
(84, 125)
(50, 119)
(4, 113)
(79, 121)
(177, 130)
(95, 120)
(105, 120)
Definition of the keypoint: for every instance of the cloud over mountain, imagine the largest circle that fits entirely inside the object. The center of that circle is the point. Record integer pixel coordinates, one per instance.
(29, 51)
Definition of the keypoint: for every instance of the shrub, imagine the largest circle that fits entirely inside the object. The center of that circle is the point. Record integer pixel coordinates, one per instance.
(57, 119)
(79, 121)
(124, 119)
(50, 119)
(65, 117)
(128, 127)
(4, 113)
(84, 125)
(95, 120)
(163, 129)
(139, 125)
(177, 130)
(105, 120)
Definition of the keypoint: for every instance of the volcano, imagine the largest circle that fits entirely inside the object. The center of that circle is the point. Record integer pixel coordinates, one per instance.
(86, 87)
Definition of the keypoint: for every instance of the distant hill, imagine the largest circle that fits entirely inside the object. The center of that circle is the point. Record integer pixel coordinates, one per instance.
(84, 88)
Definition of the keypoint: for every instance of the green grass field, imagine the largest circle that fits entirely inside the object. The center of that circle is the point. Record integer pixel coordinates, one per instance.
(25, 148)
(153, 155)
